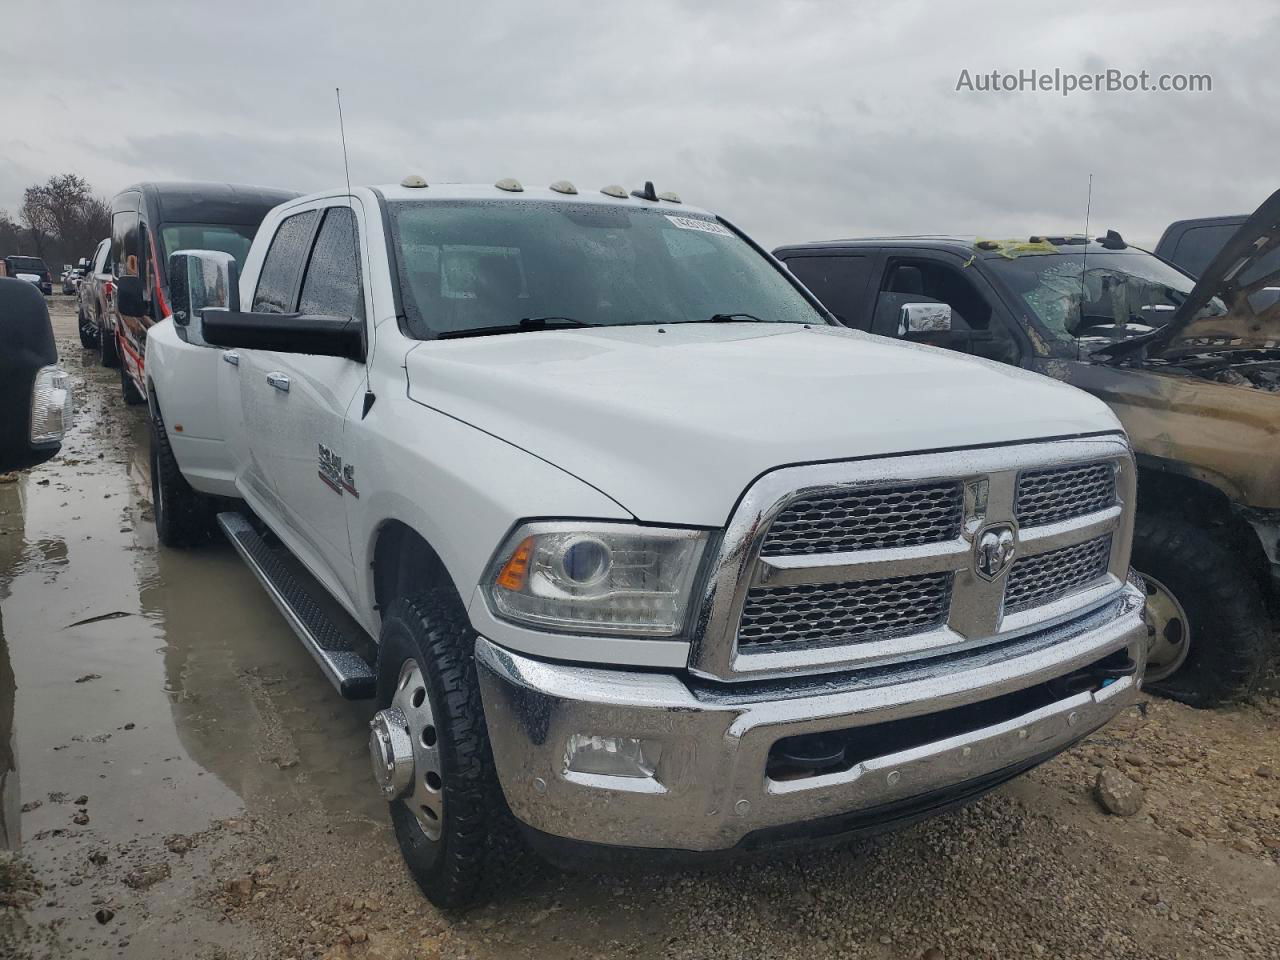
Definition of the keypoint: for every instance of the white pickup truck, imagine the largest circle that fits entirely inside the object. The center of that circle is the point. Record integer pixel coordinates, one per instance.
(636, 549)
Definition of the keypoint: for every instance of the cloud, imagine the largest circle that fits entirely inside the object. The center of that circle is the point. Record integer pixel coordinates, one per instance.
(798, 119)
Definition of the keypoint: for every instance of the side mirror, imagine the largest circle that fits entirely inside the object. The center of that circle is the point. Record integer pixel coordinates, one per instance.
(129, 302)
(318, 336)
(924, 318)
(201, 280)
(35, 394)
(84, 264)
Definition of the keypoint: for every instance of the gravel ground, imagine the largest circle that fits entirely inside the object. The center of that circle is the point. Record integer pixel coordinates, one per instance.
(260, 835)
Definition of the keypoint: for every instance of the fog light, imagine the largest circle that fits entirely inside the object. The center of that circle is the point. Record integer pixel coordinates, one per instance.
(612, 756)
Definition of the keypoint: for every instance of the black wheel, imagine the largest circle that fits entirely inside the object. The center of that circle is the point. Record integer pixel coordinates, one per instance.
(455, 830)
(110, 356)
(128, 389)
(88, 330)
(1205, 614)
(183, 517)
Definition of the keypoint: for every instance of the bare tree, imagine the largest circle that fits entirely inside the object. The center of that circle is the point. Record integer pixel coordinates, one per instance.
(11, 239)
(64, 218)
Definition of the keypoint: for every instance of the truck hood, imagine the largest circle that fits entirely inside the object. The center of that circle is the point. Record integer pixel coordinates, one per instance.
(1239, 277)
(674, 422)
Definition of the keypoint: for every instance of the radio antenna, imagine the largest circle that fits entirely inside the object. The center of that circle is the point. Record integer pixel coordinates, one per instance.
(355, 243)
(1084, 262)
(342, 132)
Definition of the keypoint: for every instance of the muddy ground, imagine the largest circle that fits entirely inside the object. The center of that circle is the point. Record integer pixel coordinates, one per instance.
(188, 785)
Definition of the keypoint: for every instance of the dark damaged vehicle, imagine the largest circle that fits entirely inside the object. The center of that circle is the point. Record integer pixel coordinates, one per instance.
(1192, 368)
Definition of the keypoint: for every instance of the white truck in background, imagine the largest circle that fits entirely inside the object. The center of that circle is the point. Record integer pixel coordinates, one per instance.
(635, 547)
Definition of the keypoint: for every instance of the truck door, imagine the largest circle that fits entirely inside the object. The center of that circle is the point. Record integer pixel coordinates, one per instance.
(296, 405)
(980, 323)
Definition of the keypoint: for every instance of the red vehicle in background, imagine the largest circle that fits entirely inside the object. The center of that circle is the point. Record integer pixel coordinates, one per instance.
(149, 221)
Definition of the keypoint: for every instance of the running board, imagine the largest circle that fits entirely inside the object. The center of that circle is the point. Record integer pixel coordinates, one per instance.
(334, 646)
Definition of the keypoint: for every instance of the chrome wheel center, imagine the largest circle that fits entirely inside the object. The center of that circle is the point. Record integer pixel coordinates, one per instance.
(1168, 631)
(405, 751)
(390, 752)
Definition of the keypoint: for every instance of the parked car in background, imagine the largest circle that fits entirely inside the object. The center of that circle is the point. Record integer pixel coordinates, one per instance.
(1191, 245)
(1191, 368)
(555, 478)
(149, 221)
(31, 269)
(95, 297)
(71, 280)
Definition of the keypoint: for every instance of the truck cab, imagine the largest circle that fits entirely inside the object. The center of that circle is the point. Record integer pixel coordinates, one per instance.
(637, 550)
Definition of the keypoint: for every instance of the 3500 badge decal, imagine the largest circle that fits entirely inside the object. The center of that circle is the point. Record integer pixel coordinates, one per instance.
(338, 476)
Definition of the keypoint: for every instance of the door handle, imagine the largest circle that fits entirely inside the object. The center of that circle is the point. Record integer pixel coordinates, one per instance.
(279, 381)
(231, 357)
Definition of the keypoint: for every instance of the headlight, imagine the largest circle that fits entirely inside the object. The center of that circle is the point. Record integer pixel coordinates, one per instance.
(50, 405)
(597, 577)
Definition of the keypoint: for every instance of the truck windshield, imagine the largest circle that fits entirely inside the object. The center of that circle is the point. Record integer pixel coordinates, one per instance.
(483, 265)
(231, 238)
(27, 265)
(1124, 294)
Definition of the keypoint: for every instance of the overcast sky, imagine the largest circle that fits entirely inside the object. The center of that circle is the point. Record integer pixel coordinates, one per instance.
(798, 119)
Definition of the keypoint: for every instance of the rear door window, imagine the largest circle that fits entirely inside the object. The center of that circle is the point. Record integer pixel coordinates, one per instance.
(332, 284)
(839, 282)
(278, 281)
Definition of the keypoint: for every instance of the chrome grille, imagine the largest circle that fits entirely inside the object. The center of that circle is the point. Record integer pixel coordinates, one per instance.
(815, 615)
(857, 564)
(1049, 496)
(864, 519)
(1046, 577)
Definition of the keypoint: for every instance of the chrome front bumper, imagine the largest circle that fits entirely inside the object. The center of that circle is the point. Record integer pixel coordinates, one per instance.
(710, 789)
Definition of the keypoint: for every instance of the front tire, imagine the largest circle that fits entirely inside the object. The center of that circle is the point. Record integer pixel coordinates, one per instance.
(183, 517)
(1206, 616)
(454, 828)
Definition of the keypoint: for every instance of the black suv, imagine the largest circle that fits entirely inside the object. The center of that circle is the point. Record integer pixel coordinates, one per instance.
(25, 267)
(1192, 244)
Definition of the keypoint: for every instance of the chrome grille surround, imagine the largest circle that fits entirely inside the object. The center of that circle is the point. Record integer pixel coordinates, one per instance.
(1060, 493)
(976, 614)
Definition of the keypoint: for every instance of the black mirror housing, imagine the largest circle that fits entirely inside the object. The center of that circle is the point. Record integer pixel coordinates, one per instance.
(27, 351)
(286, 333)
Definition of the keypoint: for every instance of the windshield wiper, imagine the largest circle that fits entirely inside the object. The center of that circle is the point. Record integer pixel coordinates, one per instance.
(732, 318)
(528, 323)
(725, 318)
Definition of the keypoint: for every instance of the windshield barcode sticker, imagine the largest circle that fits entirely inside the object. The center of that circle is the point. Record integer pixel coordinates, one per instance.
(706, 226)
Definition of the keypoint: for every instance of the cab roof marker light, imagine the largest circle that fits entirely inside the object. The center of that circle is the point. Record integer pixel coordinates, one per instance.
(670, 197)
(509, 184)
(413, 180)
(613, 190)
(564, 186)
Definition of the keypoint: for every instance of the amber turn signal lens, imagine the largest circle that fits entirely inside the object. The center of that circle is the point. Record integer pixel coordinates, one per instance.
(514, 572)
